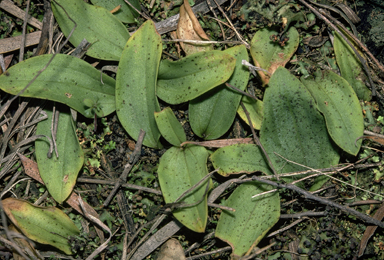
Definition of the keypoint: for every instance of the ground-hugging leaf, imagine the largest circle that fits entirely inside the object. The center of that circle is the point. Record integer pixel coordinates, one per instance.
(96, 24)
(179, 170)
(125, 14)
(239, 158)
(59, 174)
(338, 102)
(170, 128)
(136, 99)
(46, 225)
(67, 80)
(185, 79)
(351, 68)
(244, 228)
(212, 114)
(270, 55)
(293, 128)
(255, 111)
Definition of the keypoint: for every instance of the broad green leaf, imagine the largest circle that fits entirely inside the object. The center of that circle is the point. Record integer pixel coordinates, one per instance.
(67, 80)
(96, 24)
(239, 158)
(255, 111)
(59, 174)
(340, 106)
(46, 225)
(244, 228)
(293, 128)
(212, 114)
(351, 68)
(179, 170)
(136, 76)
(170, 128)
(125, 14)
(270, 55)
(185, 79)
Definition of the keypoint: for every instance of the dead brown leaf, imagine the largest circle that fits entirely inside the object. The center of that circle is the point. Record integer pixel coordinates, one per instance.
(189, 28)
(31, 169)
(171, 250)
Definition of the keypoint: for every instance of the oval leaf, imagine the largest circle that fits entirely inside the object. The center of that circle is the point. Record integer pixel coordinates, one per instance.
(96, 24)
(46, 225)
(125, 14)
(178, 171)
(270, 55)
(351, 68)
(255, 111)
(185, 79)
(244, 228)
(136, 76)
(212, 114)
(67, 80)
(170, 128)
(293, 128)
(59, 174)
(340, 106)
(239, 158)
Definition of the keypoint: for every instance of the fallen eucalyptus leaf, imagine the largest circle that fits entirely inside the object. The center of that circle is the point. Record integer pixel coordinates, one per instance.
(67, 80)
(136, 76)
(185, 79)
(189, 28)
(46, 225)
(96, 24)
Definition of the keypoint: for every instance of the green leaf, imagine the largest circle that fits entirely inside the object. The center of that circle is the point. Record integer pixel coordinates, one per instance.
(185, 79)
(125, 14)
(59, 174)
(293, 128)
(244, 228)
(239, 158)
(96, 24)
(46, 225)
(255, 111)
(170, 128)
(351, 68)
(212, 114)
(136, 76)
(67, 80)
(337, 101)
(179, 170)
(270, 55)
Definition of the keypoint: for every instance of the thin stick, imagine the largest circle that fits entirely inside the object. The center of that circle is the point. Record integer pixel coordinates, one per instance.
(361, 59)
(132, 161)
(233, 27)
(22, 44)
(134, 8)
(308, 195)
(240, 91)
(257, 141)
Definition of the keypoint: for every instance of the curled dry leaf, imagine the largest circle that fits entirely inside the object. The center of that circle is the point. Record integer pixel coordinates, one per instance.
(189, 28)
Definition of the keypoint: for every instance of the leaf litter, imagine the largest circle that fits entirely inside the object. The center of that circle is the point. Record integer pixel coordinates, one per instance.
(108, 151)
